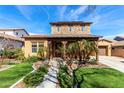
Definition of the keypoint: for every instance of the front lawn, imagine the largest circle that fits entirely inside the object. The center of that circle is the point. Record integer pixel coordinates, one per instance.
(100, 78)
(12, 75)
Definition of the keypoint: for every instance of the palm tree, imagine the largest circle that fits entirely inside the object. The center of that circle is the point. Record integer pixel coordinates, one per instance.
(72, 50)
(41, 51)
(86, 47)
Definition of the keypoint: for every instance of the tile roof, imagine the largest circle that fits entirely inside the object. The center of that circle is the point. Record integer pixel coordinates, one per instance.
(63, 36)
(70, 22)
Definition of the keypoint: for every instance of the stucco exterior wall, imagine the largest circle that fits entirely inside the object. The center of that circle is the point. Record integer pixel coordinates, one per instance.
(119, 52)
(28, 47)
(76, 29)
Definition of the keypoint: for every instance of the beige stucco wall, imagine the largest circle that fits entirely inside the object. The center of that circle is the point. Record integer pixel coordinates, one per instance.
(28, 47)
(76, 29)
(107, 44)
(118, 52)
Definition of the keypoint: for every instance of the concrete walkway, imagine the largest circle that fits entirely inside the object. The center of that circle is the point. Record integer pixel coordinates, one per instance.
(50, 80)
(113, 62)
(6, 67)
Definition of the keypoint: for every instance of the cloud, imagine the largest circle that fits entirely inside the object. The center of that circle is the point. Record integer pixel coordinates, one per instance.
(67, 14)
(75, 14)
(62, 10)
(25, 11)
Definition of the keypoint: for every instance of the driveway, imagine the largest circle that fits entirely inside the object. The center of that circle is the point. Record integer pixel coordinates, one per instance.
(113, 62)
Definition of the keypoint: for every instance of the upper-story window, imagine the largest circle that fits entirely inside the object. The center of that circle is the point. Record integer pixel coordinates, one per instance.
(83, 28)
(16, 33)
(69, 28)
(58, 28)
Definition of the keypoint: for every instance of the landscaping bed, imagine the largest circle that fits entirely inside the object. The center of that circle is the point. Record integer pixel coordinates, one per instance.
(98, 65)
(35, 78)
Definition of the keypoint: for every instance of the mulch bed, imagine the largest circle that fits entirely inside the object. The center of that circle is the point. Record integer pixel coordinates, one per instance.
(20, 85)
(98, 65)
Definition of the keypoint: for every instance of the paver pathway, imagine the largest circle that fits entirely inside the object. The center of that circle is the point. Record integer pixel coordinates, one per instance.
(113, 62)
(50, 80)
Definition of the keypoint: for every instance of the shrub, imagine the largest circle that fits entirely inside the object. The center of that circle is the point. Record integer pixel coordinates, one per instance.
(7, 53)
(32, 59)
(93, 61)
(19, 55)
(35, 78)
(64, 78)
(13, 53)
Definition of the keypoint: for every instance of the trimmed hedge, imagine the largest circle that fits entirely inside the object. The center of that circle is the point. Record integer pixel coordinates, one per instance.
(35, 78)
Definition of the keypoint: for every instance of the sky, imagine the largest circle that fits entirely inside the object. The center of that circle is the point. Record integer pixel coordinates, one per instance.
(107, 21)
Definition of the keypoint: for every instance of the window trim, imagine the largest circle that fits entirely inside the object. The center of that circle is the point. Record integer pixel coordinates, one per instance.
(37, 46)
(34, 47)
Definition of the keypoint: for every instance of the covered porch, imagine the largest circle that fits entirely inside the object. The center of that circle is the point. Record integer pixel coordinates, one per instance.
(55, 45)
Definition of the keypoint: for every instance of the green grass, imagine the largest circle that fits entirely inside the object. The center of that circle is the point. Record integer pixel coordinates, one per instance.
(12, 75)
(100, 78)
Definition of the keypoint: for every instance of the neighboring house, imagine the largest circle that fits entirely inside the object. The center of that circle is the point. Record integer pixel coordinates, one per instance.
(119, 38)
(12, 38)
(15, 32)
(118, 49)
(113, 47)
(62, 33)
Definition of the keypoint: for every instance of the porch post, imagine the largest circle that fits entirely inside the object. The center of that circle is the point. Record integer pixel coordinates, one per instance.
(46, 50)
(109, 49)
(49, 49)
(64, 46)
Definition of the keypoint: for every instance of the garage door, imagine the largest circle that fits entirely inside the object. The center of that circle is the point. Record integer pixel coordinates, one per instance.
(103, 51)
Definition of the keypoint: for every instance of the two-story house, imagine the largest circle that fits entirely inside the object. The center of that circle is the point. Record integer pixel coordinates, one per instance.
(62, 33)
(12, 38)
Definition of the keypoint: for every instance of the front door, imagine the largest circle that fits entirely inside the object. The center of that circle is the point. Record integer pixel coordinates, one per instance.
(58, 51)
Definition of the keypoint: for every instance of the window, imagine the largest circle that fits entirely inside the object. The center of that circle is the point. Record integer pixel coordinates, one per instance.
(69, 28)
(41, 45)
(22, 35)
(82, 28)
(34, 47)
(16, 33)
(58, 28)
